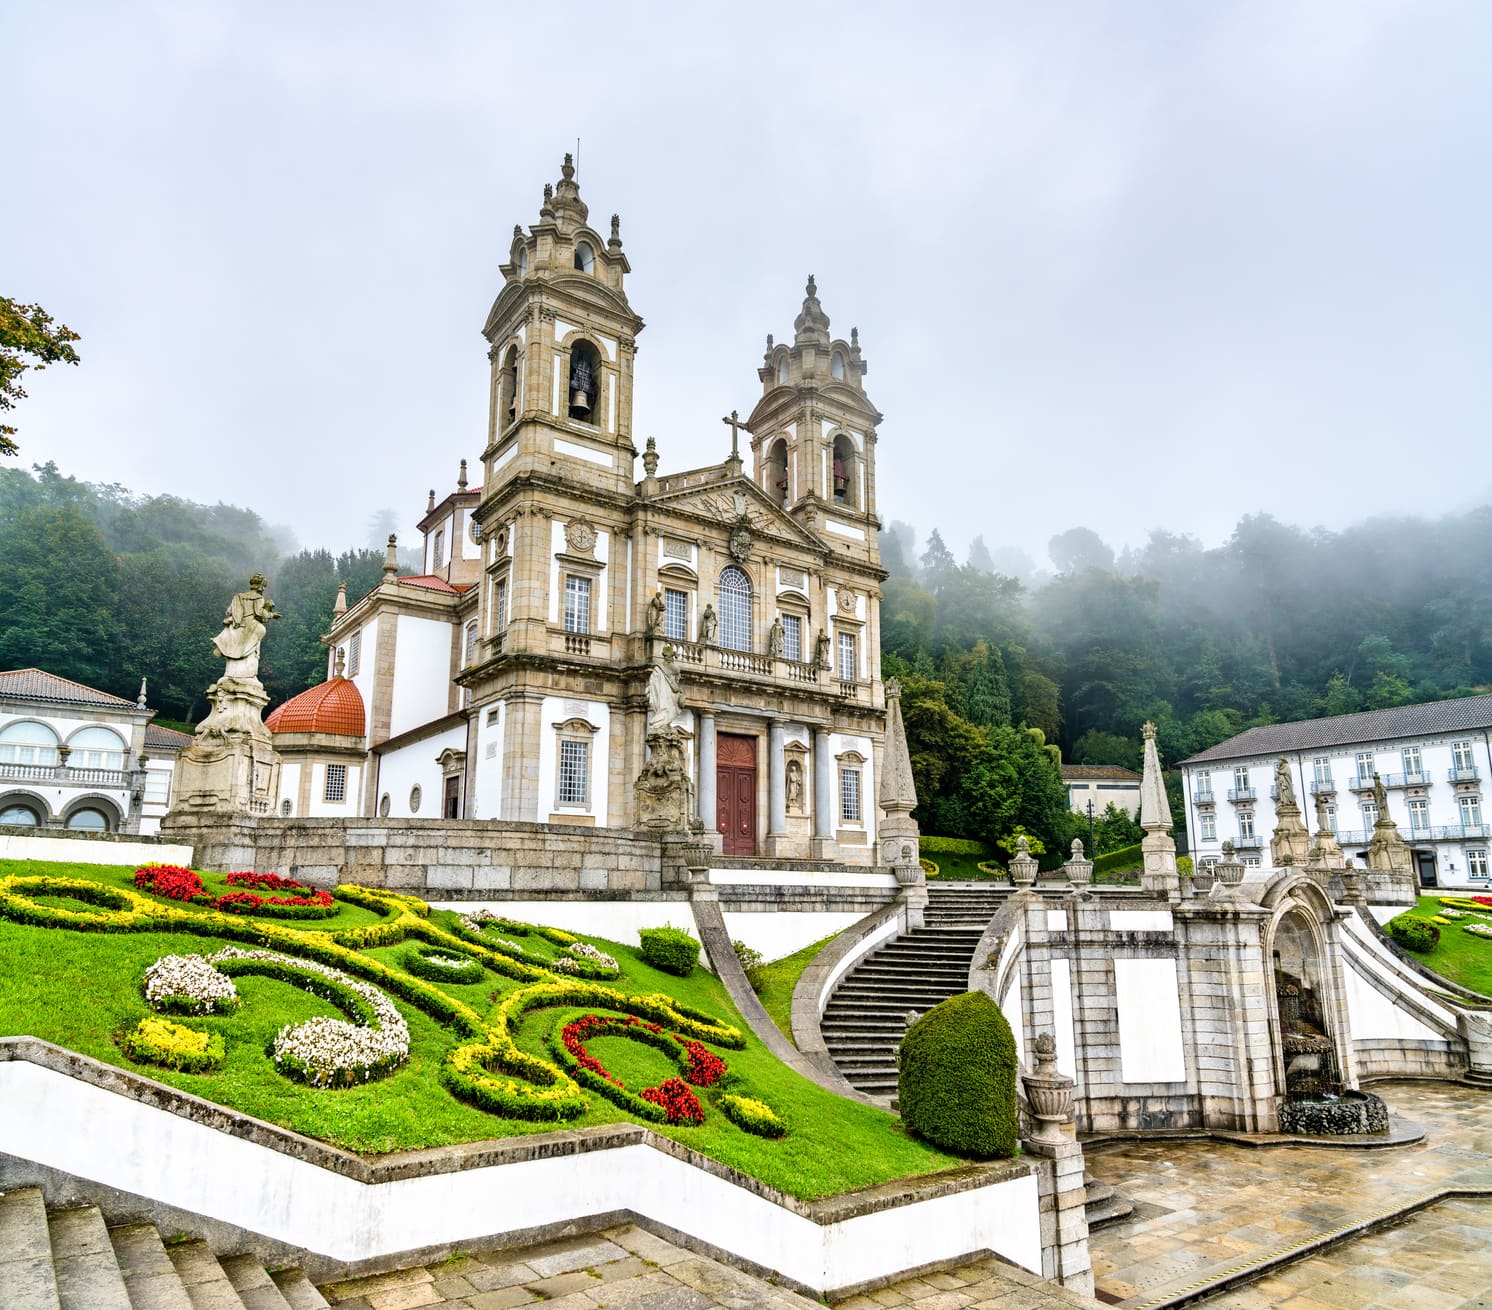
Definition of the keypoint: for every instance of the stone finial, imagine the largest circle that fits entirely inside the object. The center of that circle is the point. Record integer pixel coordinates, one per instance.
(430, 504)
(812, 289)
(548, 192)
(567, 169)
(616, 230)
(1155, 808)
(893, 689)
(855, 338)
(1079, 870)
(811, 327)
(339, 606)
(1048, 1093)
(140, 699)
(898, 789)
(461, 477)
(391, 559)
(650, 457)
(339, 664)
(517, 231)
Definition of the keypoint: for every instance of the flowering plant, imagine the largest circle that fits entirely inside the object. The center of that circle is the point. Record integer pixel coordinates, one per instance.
(172, 882)
(678, 1102)
(189, 984)
(750, 1114)
(172, 1045)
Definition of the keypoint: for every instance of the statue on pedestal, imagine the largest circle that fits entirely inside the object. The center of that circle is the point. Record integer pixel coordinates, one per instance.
(663, 795)
(1291, 843)
(656, 611)
(707, 624)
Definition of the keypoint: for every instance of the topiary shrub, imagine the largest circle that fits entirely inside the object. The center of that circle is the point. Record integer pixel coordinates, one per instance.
(957, 1078)
(1414, 932)
(668, 948)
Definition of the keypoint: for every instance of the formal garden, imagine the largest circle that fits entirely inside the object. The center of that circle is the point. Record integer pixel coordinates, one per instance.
(365, 1019)
(1452, 935)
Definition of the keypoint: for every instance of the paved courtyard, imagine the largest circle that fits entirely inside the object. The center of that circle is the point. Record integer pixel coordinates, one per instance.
(1206, 1207)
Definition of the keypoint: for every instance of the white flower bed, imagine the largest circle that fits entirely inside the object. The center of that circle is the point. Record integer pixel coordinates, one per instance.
(326, 1051)
(585, 951)
(188, 983)
(1452, 914)
(1480, 929)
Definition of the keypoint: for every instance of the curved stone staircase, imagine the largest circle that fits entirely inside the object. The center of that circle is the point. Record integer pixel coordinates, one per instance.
(69, 1259)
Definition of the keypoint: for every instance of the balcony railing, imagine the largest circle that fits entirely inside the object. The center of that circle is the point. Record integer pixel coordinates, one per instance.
(1205, 797)
(1250, 843)
(1354, 836)
(1469, 774)
(64, 775)
(1323, 787)
(1239, 794)
(1360, 783)
(1417, 778)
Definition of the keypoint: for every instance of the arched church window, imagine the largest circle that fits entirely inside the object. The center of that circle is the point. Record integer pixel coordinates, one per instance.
(844, 470)
(508, 403)
(735, 609)
(836, 365)
(96, 748)
(782, 371)
(520, 263)
(585, 257)
(88, 820)
(585, 381)
(28, 743)
(19, 816)
(777, 483)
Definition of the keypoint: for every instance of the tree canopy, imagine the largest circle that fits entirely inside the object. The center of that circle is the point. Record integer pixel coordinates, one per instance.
(28, 339)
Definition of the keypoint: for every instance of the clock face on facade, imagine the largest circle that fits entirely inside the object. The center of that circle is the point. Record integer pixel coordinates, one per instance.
(580, 536)
(740, 542)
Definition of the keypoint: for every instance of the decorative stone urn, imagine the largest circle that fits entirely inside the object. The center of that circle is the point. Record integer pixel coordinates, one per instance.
(1023, 865)
(697, 857)
(1048, 1093)
(1079, 870)
(1229, 870)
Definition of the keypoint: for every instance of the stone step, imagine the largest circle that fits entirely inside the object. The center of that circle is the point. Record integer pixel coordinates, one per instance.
(149, 1276)
(88, 1276)
(203, 1277)
(1108, 1212)
(255, 1288)
(26, 1272)
(299, 1291)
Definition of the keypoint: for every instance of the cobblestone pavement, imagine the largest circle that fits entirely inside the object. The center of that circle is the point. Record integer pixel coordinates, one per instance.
(1207, 1206)
(630, 1268)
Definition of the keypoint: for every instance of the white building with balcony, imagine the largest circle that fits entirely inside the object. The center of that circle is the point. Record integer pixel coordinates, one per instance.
(1433, 761)
(78, 758)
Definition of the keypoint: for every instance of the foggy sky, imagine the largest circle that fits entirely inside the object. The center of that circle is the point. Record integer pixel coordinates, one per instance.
(1127, 266)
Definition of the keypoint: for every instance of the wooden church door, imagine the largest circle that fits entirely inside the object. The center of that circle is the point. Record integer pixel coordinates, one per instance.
(735, 793)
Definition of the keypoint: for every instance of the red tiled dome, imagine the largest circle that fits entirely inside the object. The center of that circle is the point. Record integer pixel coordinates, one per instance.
(334, 707)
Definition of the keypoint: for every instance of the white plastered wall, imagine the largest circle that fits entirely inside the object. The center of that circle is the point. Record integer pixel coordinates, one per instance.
(839, 743)
(1149, 999)
(485, 801)
(557, 709)
(399, 771)
(422, 673)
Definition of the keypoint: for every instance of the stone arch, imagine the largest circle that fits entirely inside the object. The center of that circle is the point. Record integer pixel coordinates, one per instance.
(19, 796)
(1308, 1019)
(113, 817)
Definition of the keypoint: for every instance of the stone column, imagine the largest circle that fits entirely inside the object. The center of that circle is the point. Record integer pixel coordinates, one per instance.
(823, 794)
(776, 787)
(706, 753)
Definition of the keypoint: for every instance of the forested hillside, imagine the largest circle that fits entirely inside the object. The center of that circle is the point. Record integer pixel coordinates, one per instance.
(1002, 678)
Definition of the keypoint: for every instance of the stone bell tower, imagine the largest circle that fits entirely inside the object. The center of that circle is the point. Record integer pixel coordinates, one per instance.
(562, 341)
(813, 433)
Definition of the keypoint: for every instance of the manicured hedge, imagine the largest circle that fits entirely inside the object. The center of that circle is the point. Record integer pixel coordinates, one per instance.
(952, 846)
(1126, 857)
(671, 949)
(957, 1080)
(1414, 932)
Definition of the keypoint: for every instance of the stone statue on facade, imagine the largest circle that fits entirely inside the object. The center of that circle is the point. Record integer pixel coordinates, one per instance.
(821, 651)
(663, 795)
(1284, 783)
(664, 698)
(1380, 796)
(1291, 844)
(657, 608)
(244, 630)
(707, 624)
(776, 638)
(794, 787)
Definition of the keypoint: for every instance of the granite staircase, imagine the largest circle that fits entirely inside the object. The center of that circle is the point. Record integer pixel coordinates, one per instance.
(70, 1259)
(865, 1019)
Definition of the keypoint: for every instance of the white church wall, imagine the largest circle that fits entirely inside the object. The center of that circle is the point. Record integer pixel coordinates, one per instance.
(839, 743)
(486, 799)
(1149, 1000)
(600, 593)
(554, 710)
(290, 771)
(319, 807)
(416, 765)
(776, 934)
(362, 678)
(422, 674)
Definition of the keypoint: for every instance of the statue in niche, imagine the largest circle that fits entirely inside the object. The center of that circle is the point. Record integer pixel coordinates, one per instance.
(664, 700)
(821, 651)
(243, 630)
(795, 787)
(655, 615)
(1284, 783)
(775, 638)
(707, 625)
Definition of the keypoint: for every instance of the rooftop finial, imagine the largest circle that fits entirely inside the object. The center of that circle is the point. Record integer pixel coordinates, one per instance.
(140, 700)
(339, 606)
(431, 503)
(616, 227)
(548, 192)
(567, 169)
(339, 668)
(391, 559)
(461, 481)
(769, 341)
(855, 336)
(813, 289)
(650, 458)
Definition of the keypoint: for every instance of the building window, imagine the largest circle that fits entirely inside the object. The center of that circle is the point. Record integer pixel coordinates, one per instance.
(1369, 813)
(849, 795)
(585, 381)
(415, 797)
(1461, 756)
(96, 748)
(439, 557)
(1331, 819)
(574, 772)
(1209, 827)
(792, 638)
(1471, 811)
(675, 614)
(19, 816)
(471, 641)
(1252, 861)
(157, 786)
(1419, 815)
(1321, 768)
(336, 784)
(836, 365)
(1365, 767)
(28, 743)
(354, 653)
(782, 371)
(286, 808)
(499, 605)
(735, 609)
(1204, 784)
(88, 820)
(843, 461)
(1476, 863)
(847, 668)
(1245, 823)
(1411, 761)
(1241, 778)
(577, 604)
(585, 257)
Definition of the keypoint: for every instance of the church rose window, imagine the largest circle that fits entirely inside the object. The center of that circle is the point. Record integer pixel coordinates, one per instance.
(735, 609)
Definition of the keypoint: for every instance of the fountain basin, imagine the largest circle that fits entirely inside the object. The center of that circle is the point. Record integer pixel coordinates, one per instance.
(1352, 1114)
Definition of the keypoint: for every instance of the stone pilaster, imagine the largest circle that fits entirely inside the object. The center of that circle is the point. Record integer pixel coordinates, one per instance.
(777, 788)
(823, 795)
(705, 749)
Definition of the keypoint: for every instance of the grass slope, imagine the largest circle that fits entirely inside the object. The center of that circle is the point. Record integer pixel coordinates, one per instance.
(776, 982)
(81, 989)
(1461, 956)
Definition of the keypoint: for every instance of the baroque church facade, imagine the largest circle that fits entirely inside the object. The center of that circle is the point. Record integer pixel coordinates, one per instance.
(509, 679)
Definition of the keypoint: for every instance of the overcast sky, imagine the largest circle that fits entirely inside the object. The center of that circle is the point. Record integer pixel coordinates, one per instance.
(1121, 265)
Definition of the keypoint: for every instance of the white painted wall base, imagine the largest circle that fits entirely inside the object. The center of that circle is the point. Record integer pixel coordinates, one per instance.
(64, 1123)
(69, 850)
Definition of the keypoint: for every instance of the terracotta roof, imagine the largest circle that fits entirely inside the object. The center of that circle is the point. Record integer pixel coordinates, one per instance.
(1469, 713)
(1077, 772)
(432, 583)
(165, 739)
(34, 684)
(334, 707)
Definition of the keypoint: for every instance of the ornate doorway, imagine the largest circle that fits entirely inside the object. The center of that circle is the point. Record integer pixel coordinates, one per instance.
(735, 793)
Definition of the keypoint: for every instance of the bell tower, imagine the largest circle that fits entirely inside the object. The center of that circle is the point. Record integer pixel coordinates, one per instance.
(562, 339)
(813, 433)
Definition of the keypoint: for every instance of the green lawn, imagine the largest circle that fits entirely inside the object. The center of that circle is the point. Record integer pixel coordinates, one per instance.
(1461, 956)
(776, 982)
(951, 866)
(82, 989)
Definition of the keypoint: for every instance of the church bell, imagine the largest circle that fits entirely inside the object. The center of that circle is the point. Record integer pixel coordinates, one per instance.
(579, 401)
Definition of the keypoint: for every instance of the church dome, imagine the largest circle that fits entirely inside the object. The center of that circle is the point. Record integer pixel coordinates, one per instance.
(335, 707)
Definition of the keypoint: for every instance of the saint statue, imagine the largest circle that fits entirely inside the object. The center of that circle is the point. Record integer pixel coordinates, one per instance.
(775, 638)
(656, 610)
(794, 787)
(707, 625)
(1284, 783)
(821, 651)
(1323, 819)
(243, 630)
(664, 700)
(1380, 796)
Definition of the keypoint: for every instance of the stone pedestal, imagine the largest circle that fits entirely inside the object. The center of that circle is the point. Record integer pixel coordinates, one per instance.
(1291, 843)
(663, 796)
(1159, 877)
(231, 766)
(1061, 1188)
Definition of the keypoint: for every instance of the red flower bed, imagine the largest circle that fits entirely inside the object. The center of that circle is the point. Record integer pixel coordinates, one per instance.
(1483, 900)
(172, 882)
(674, 1096)
(178, 884)
(705, 1067)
